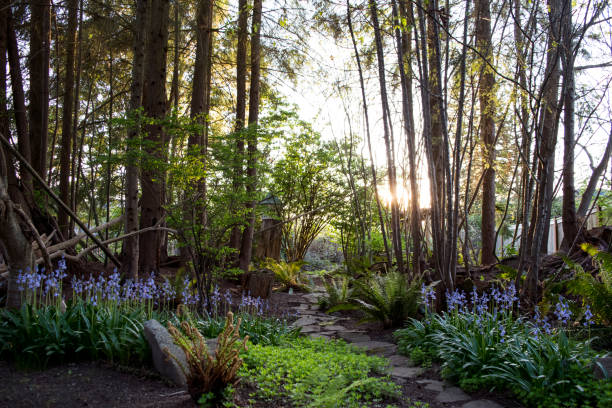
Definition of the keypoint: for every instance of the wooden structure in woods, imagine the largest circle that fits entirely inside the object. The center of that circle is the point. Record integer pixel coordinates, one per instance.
(268, 244)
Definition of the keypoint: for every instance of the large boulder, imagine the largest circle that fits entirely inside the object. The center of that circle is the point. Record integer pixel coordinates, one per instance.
(160, 339)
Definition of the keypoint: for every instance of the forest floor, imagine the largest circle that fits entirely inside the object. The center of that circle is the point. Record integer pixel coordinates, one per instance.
(102, 385)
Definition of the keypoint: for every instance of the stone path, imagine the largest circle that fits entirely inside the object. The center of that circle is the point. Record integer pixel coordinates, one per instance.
(315, 323)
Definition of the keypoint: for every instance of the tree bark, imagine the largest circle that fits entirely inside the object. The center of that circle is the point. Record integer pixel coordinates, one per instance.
(569, 219)
(18, 248)
(404, 39)
(246, 248)
(38, 67)
(368, 135)
(21, 122)
(487, 99)
(201, 91)
(67, 117)
(547, 134)
(241, 70)
(154, 103)
(395, 225)
(130, 245)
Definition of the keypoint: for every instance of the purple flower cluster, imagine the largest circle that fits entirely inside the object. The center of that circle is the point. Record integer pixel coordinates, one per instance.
(562, 311)
(39, 284)
(540, 324)
(493, 300)
(456, 301)
(588, 316)
(428, 295)
(36, 285)
(253, 305)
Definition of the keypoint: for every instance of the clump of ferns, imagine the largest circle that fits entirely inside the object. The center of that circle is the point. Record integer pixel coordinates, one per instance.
(209, 373)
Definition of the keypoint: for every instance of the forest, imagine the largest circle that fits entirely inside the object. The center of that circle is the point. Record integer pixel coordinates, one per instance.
(306, 203)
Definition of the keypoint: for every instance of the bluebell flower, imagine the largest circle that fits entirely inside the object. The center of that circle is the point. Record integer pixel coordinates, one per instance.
(588, 316)
(562, 311)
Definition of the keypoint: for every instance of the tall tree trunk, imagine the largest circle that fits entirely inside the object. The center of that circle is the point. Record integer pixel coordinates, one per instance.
(21, 122)
(110, 145)
(67, 117)
(570, 223)
(154, 103)
(17, 247)
(200, 97)
(404, 46)
(368, 135)
(241, 71)
(486, 95)
(130, 245)
(435, 98)
(77, 103)
(547, 134)
(38, 67)
(395, 225)
(246, 248)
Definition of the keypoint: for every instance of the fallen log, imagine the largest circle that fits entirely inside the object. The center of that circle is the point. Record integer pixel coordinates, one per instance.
(64, 206)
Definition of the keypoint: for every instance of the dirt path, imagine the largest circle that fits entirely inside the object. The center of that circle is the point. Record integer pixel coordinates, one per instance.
(86, 385)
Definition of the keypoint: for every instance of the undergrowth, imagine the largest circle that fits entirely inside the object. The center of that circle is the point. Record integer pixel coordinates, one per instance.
(486, 347)
(317, 373)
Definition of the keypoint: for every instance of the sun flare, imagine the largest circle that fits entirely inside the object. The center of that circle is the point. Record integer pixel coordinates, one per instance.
(403, 195)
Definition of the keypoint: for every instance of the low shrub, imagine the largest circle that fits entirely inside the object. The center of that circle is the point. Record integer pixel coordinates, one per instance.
(338, 292)
(317, 373)
(208, 374)
(388, 298)
(260, 329)
(289, 274)
(486, 346)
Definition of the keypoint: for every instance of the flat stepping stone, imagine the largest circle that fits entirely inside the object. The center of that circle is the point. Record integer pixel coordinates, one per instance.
(311, 329)
(432, 385)
(380, 348)
(332, 327)
(354, 337)
(303, 306)
(402, 361)
(481, 404)
(452, 394)
(406, 372)
(305, 321)
(306, 312)
(312, 297)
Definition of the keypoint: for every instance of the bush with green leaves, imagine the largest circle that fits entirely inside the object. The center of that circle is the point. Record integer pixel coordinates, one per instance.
(289, 274)
(317, 373)
(338, 292)
(260, 329)
(387, 298)
(37, 337)
(596, 290)
(483, 345)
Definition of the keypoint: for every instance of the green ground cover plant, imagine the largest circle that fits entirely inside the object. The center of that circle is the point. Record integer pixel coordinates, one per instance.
(317, 373)
(482, 344)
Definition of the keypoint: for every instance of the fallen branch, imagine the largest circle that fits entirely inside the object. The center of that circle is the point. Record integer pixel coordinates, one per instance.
(80, 255)
(65, 207)
(74, 241)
